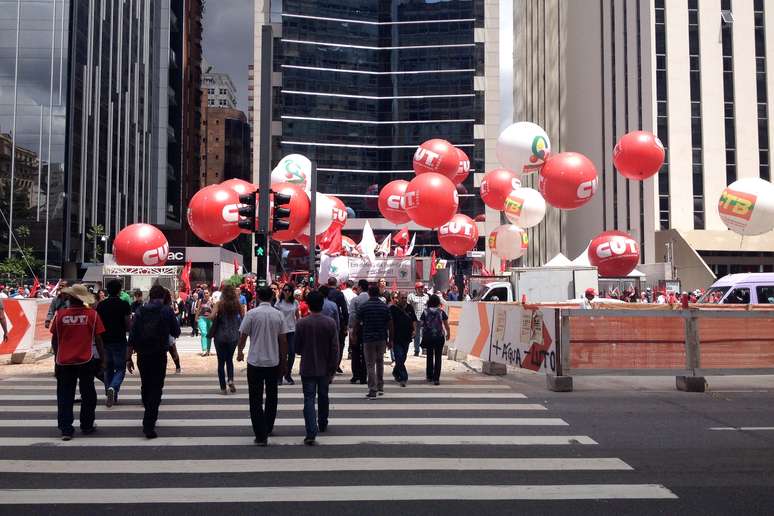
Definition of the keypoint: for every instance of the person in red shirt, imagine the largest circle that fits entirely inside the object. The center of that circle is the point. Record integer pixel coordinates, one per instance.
(77, 331)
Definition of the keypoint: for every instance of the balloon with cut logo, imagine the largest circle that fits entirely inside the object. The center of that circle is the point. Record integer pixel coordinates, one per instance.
(299, 211)
(568, 180)
(293, 168)
(459, 235)
(390, 202)
(523, 147)
(325, 213)
(340, 213)
(525, 207)
(614, 253)
(240, 186)
(746, 206)
(638, 155)
(496, 186)
(213, 214)
(508, 242)
(463, 169)
(437, 156)
(431, 199)
(140, 245)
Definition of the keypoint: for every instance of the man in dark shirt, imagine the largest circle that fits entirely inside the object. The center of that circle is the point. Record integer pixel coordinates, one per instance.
(137, 303)
(337, 296)
(317, 341)
(377, 329)
(404, 321)
(116, 316)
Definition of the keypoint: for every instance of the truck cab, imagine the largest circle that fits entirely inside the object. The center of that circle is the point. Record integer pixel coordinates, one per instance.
(496, 291)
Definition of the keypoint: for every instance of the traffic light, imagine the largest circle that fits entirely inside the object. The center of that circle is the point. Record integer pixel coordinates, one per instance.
(279, 214)
(247, 211)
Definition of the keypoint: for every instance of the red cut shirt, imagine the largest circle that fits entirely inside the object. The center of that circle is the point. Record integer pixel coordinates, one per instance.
(75, 329)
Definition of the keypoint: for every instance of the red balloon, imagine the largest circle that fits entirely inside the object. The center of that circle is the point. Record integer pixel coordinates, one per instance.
(459, 235)
(638, 155)
(240, 186)
(496, 186)
(437, 156)
(299, 211)
(614, 253)
(339, 212)
(568, 180)
(140, 245)
(391, 202)
(213, 214)
(463, 169)
(431, 199)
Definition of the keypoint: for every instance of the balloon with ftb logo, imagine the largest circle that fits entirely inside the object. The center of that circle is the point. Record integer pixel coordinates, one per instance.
(746, 206)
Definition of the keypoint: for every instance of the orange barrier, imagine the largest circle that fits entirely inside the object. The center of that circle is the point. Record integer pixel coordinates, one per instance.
(736, 343)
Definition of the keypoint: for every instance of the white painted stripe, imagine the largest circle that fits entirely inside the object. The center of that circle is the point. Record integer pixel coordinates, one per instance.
(376, 122)
(295, 394)
(370, 72)
(213, 383)
(365, 22)
(172, 378)
(338, 421)
(368, 47)
(354, 146)
(744, 428)
(343, 440)
(225, 407)
(141, 467)
(371, 97)
(334, 494)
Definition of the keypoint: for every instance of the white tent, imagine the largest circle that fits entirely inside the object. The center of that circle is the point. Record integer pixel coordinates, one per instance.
(583, 259)
(559, 260)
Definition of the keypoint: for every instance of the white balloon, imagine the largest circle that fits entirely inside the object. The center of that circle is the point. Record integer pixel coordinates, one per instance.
(525, 207)
(746, 206)
(508, 242)
(523, 147)
(293, 168)
(325, 214)
(339, 269)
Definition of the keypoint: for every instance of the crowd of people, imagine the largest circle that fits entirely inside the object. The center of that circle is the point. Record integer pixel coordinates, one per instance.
(99, 336)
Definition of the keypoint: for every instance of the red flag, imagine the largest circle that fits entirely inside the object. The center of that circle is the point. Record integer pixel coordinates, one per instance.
(185, 276)
(35, 287)
(335, 246)
(503, 265)
(236, 265)
(433, 264)
(401, 237)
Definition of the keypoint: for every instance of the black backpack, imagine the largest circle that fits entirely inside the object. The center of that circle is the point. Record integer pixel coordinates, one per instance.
(153, 332)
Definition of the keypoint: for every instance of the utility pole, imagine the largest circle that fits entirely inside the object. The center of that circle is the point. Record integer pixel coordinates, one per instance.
(261, 238)
(312, 223)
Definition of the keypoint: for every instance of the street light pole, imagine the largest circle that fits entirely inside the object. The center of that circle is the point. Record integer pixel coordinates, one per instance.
(264, 165)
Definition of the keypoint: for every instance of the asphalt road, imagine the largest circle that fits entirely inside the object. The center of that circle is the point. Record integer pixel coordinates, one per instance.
(472, 444)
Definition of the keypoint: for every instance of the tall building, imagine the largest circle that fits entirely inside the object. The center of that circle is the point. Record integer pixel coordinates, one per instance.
(357, 86)
(221, 91)
(225, 146)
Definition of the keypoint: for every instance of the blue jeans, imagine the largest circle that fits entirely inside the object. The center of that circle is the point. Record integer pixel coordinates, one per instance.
(315, 385)
(225, 352)
(115, 356)
(401, 352)
(417, 340)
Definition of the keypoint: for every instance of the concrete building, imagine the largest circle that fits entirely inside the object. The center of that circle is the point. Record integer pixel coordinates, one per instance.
(225, 151)
(220, 89)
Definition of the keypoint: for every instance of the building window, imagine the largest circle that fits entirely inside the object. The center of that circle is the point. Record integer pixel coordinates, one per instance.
(696, 128)
(662, 121)
(211, 91)
(727, 50)
(763, 98)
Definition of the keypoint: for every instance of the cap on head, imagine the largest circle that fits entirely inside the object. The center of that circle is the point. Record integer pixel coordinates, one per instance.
(591, 292)
(419, 284)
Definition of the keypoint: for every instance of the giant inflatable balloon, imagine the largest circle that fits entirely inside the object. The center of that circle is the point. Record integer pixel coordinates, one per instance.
(339, 212)
(459, 235)
(240, 186)
(525, 207)
(523, 147)
(213, 214)
(437, 156)
(299, 211)
(638, 155)
(293, 168)
(464, 167)
(431, 199)
(390, 202)
(746, 206)
(325, 214)
(614, 253)
(568, 180)
(496, 186)
(508, 242)
(140, 245)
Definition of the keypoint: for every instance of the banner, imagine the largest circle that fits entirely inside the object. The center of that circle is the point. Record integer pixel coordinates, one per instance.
(388, 268)
(524, 338)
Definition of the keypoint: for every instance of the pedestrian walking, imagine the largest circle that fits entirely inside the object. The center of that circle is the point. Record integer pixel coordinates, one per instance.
(289, 308)
(172, 341)
(338, 297)
(190, 311)
(226, 318)
(137, 301)
(377, 329)
(266, 361)
(318, 344)
(435, 332)
(116, 317)
(204, 322)
(329, 308)
(154, 323)
(418, 301)
(359, 372)
(404, 322)
(78, 331)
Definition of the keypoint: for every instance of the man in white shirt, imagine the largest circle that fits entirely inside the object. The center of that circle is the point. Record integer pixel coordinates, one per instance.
(589, 297)
(349, 294)
(266, 361)
(418, 300)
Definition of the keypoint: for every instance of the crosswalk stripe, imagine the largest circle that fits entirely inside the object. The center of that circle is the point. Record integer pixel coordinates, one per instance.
(172, 378)
(137, 467)
(339, 421)
(226, 407)
(327, 440)
(334, 493)
(133, 387)
(296, 394)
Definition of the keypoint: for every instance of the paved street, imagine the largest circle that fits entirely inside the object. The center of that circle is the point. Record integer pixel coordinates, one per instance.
(474, 443)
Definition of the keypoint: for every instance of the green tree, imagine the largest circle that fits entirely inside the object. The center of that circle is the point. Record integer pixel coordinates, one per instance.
(95, 236)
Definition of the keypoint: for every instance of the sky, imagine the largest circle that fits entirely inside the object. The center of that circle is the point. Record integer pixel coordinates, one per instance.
(228, 41)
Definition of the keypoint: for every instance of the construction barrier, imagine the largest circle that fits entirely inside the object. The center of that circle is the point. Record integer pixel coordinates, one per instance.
(26, 325)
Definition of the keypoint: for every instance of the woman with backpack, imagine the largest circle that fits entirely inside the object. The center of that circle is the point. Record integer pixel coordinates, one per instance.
(434, 323)
(226, 318)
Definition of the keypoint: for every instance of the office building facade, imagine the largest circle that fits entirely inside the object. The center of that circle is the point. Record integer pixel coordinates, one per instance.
(220, 89)
(225, 151)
